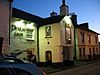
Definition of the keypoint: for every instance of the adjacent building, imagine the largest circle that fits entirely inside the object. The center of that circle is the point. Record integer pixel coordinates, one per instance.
(5, 13)
(87, 45)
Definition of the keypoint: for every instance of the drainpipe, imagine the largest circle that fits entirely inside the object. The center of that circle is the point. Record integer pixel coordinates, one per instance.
(74, 21)
(75, 44)
(10, 16)
(38, 44)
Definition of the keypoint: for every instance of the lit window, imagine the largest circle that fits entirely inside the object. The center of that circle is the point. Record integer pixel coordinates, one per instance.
(68, 34)
(48, 31)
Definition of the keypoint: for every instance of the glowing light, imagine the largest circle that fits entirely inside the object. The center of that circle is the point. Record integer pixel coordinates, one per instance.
(68, 21)
(20, 24)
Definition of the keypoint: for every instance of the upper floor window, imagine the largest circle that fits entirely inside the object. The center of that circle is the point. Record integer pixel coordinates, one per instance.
(29, 33)
(68, 34)
(96, 39)
(82, 37)
(48, 31)
(89, 38)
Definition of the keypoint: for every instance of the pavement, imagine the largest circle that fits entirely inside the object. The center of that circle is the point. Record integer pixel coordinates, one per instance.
(51, 69)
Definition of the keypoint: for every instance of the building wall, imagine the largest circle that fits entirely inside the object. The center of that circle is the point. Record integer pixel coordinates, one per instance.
(91, 48)
(56, 41)
(66, 22)
(50, 43)
(23, 37)
(4, 23)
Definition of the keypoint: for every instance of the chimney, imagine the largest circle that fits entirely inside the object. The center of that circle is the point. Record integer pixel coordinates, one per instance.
(84, 25)
(74, 18)
(53, 14)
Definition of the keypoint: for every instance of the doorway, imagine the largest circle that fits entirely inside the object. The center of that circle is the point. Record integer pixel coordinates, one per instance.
(1, 43)
(66, 55)
(48, 56)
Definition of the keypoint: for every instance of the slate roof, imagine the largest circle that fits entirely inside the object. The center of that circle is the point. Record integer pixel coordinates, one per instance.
(26, 16)
(45, 21)
(30, 17)
(81, 26)
(53, 19)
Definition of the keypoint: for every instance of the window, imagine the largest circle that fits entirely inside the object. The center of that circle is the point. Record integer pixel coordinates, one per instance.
(90, 51)
(80, 52)
(48, 31)
(96, 39)
(89, 38)
(96, 50)
(82, 37)
(68, 35)
(93, 50)
(83, 51)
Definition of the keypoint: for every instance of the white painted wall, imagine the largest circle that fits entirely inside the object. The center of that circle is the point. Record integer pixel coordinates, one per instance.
(56, 41)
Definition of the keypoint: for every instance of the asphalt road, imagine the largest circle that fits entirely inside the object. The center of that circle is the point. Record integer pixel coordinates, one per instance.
(90, 69)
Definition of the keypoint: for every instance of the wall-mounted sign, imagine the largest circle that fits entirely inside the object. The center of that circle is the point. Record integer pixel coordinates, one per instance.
(22, 29)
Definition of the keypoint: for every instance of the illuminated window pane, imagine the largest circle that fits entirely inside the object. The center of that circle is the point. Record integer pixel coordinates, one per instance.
(68, 35)
(48, 31)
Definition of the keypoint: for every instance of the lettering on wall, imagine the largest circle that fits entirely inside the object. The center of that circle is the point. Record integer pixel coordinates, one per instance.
(22, 29)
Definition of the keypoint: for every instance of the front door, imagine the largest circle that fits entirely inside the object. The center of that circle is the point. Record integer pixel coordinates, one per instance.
(1, 42)
(65, 53)
(48, 57)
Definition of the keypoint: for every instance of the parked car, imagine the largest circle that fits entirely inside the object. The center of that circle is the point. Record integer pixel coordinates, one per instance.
(10, 58)
(19, 69)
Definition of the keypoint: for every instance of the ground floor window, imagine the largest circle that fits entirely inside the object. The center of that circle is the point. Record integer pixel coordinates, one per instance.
(80, 52)
(83, 51)
(90, 51)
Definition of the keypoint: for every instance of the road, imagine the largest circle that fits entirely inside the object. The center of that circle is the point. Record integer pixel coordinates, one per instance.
(91, 69)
